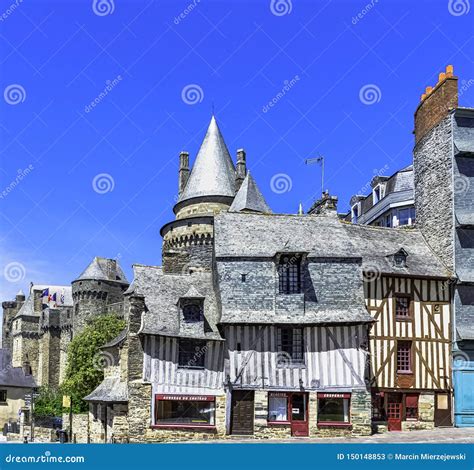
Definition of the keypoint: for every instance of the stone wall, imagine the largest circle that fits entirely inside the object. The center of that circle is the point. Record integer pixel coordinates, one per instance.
(80, 427)
(433, 169)
(91, 299)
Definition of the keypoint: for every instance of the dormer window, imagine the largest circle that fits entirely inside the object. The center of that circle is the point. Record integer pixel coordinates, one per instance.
(378, 193)
(400, 258)
(192, 312)
(289, 273)
(355, 212)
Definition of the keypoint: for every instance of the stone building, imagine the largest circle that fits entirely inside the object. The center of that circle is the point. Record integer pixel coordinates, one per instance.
(10, 309)
(444, 199)
(266, 325)
(41, 330)
(97, 291)
(390, 203)
(15, 383)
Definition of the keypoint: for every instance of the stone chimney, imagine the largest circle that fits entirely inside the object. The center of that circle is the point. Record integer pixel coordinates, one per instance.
(326, 205)
(241, 168)
(183, 171)
(436, 103)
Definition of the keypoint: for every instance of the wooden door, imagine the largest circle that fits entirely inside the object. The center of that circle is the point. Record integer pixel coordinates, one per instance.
(394, 412)
(242, 413)
(442, 415)
(299, 414)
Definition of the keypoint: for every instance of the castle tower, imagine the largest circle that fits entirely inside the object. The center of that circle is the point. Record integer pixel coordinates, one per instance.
(98, 291)
(444, 201)
(209, 188)
(10, 309)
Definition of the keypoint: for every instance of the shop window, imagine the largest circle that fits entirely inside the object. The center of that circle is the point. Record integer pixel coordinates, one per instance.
(290, 347)
(402, 307)
(185, 410)
(378, 408)
(333, 408)
(411, 406)
(289, 273)
(404, 357)
(277, 407)
(191, 353)
(3, 396)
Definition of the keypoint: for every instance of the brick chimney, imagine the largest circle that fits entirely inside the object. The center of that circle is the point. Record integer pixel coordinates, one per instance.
(183, 171)
(241, 168)
(436, 102)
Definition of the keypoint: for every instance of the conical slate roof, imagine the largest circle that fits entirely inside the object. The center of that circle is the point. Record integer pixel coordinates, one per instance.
(213, 173)
(249, 198)
(104, 269)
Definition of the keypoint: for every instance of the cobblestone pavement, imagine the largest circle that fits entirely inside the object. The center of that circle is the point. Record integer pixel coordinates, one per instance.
(438, 435)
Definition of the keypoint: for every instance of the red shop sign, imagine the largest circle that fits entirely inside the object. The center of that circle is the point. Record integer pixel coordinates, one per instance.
(334, 395)
(186, 397)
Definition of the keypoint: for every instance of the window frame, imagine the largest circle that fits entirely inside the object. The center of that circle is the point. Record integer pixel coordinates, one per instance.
(189, 305)
(188, 399)
(334, 396)
(409, 298)
(186, 364)
(293, 362)
(285, 395)
(410, 356)
(3, 396)
(417, 408)
(290, 279)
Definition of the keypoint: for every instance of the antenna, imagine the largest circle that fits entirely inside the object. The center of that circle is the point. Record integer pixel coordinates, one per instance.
(320, 160)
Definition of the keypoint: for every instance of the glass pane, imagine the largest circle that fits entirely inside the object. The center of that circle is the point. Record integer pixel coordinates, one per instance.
(185, 412)
(298, 408)
(333, 410)
(442, 401)
(277, 408)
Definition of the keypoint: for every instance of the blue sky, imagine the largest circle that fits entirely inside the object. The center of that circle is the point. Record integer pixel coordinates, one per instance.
(236, 56)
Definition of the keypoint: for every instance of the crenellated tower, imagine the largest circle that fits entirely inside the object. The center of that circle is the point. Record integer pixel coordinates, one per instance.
(97, 291)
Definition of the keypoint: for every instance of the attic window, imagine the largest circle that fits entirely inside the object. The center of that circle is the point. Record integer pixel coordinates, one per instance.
(192, 312)
(289, 274)
(355, 212)
(378, 193)
(117, 278)
(400, 258)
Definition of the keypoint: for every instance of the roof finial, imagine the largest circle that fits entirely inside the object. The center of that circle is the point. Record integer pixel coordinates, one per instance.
(300, 209)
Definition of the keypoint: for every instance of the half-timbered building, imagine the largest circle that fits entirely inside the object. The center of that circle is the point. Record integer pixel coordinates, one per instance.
(280, 325)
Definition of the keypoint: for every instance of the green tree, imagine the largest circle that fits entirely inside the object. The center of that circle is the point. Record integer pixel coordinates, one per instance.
(48, 403)
(83, 371)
